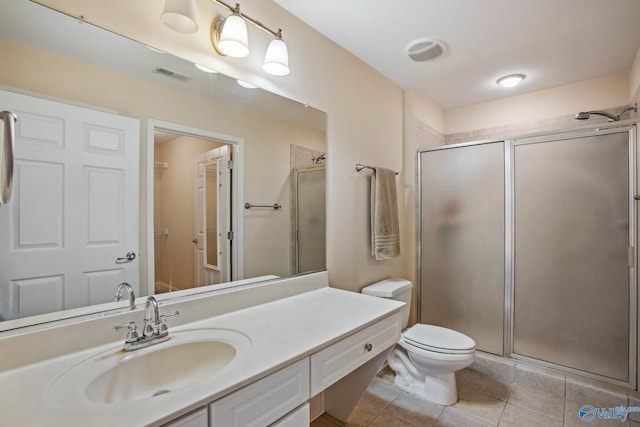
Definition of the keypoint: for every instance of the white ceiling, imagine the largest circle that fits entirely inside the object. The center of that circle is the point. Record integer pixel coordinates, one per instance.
(553, 42)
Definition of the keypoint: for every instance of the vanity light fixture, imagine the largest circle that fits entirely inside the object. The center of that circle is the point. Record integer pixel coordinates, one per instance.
(180, 16)
(229, 37)
(205, 69)
(511, 80)
(276, 60)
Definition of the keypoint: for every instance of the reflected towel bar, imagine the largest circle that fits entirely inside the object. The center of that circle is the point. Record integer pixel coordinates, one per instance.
(360, 166)
(274, 206)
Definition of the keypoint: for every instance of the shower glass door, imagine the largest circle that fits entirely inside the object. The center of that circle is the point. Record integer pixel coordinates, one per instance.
(572, 250)
(462, 265)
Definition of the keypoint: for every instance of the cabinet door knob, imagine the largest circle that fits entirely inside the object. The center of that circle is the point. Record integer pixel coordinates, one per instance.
(368, 347)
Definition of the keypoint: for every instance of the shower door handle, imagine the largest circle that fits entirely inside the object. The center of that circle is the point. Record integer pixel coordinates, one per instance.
(7, 146)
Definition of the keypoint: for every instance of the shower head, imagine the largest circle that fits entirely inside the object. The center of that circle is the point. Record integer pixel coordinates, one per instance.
(584, 115)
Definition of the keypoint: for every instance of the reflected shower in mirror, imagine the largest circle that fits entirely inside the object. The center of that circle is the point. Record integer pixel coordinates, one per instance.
(308, 216)
(102, 79)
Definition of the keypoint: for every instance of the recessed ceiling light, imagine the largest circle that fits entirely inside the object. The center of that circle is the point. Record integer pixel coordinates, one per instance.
(246, 84)
(205, 69)
(511, 80)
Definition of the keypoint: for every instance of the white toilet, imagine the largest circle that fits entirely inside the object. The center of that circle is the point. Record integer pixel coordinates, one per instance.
(426, 357)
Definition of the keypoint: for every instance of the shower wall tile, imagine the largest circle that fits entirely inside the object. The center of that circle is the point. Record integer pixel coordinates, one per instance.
(565, 122)
(427, 137)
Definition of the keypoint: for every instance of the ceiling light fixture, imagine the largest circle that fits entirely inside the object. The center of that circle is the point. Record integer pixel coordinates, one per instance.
(511, 80)
(180, 16)
(229, 37)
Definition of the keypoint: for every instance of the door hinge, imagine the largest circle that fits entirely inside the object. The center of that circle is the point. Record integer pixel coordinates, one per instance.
(230, 164)
(229, 235)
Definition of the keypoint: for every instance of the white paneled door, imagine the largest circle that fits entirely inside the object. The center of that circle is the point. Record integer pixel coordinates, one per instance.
(74, 210)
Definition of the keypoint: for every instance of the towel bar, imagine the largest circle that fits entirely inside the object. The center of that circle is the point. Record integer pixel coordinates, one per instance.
(360, 166)
(274, 206)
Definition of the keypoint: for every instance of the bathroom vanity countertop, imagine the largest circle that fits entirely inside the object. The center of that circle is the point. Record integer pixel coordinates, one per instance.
(281, 333)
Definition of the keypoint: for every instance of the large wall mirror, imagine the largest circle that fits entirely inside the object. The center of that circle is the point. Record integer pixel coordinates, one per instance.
(133, 165)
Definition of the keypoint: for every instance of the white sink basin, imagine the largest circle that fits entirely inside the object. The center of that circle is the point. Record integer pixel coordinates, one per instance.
(116, 376)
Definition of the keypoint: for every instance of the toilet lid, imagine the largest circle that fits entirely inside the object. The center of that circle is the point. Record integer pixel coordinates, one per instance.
(438, 339)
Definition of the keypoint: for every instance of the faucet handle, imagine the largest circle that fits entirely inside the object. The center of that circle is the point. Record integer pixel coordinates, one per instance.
(163, 321)
(132, 331)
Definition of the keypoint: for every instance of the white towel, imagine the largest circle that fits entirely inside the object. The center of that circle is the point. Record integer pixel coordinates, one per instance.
(385, 227)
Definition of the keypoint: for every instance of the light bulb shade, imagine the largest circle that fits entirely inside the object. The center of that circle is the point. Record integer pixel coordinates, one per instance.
(511, 80)
(180, 16)
(233, 39)
(276, 60)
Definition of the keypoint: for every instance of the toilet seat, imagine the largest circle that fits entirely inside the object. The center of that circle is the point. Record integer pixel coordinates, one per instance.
(438, 339)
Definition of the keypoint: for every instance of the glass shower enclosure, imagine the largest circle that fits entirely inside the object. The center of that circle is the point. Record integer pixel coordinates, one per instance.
(528, 246)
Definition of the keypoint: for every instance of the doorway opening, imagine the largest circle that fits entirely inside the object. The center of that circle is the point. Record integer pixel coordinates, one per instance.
(192, 223)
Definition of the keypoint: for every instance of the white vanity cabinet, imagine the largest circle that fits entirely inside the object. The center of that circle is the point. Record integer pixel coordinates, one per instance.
(281, 399)
(325, 343)
(296, 418)
(340, 359)
(197, 418)
(265, 401)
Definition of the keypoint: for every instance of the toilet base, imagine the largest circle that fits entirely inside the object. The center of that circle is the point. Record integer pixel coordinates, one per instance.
(441, 389)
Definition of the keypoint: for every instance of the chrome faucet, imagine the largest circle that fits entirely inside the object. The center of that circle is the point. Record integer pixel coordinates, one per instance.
(151, 317)
(154, 330)
(122, 287)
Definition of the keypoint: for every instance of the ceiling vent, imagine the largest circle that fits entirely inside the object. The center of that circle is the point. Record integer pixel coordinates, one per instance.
(425, 49)
(172, 74)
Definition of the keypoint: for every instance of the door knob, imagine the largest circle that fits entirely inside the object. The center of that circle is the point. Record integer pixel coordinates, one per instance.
(130, 256)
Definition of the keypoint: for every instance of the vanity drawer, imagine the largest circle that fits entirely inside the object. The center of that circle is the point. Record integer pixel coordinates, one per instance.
(297, 418)
(197, 418)
(265, 401)
(334, 362)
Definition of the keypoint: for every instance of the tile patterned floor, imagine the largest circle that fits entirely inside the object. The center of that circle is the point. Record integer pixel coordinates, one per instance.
(483, 402)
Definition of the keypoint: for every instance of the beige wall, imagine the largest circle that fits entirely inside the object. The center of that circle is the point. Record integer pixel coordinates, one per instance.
(634, 80)
(601, 93)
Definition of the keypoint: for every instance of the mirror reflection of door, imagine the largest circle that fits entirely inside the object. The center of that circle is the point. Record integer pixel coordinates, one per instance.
(212, 217)
(180, 212)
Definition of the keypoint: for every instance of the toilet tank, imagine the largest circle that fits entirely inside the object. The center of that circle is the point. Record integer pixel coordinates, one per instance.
(396, 289)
